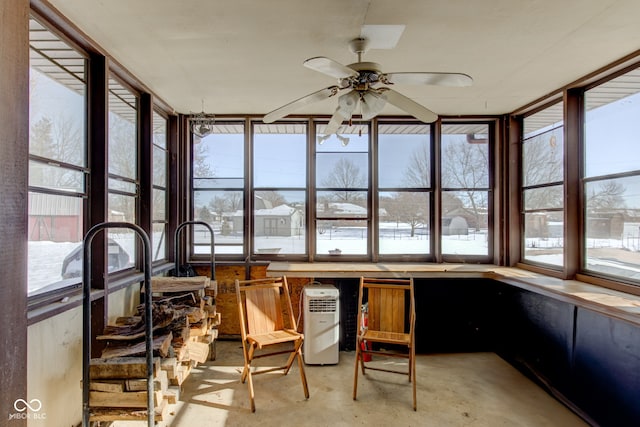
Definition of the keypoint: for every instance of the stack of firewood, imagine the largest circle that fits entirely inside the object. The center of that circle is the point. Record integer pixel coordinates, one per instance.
(118, 389)
(184, 324)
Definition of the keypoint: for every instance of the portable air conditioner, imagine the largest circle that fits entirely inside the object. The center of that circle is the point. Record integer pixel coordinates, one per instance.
(321, 324)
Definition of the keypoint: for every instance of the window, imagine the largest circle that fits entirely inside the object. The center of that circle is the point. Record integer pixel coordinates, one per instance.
(57, 161)
(612, 178)
(465, 150)
(280, 183)
(218, 189)
(123, 174)
(404, 189)
(342, 196)
(543, 188)
(159, 180)
(345, 196)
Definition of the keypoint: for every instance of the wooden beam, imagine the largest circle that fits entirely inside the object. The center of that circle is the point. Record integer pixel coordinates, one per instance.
(14, 140)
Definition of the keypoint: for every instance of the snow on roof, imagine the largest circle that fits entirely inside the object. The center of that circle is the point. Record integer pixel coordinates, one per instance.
(282, 210)
(344, 208)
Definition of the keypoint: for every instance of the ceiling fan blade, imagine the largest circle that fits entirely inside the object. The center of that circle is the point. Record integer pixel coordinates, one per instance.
(437, 79)
(410, 106)
(329, 67)
(287, 109)
(346, 106)
(335, 122)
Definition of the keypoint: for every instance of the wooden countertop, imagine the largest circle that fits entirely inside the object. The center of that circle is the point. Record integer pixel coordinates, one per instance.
(613, 303)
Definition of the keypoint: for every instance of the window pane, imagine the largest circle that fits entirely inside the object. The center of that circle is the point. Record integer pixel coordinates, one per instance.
(159, 205)
(544, 237)
(221, 154)
(343, 237)
(544, 198)
(123, 133)
(613, 227)
(159, 130)
(55, 232)
(159, 167)
(612, 127)
(342, 170)
(159, 241)
(342, 204)
(543, 164)
(465, 156)
(280, 156)
(543, 157)
(55, 177)
(56, 100)
(122, 209)
(465, 222)
(125, 186)
(404, 223)
(57, 149)
(404, 156)
(279, 222)
(224, 212)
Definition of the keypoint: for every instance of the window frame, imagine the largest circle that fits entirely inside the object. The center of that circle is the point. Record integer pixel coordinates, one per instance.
(542, 185)
(52, 291)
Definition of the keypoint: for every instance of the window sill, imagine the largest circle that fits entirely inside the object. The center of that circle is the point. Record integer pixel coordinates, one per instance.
(612, 302)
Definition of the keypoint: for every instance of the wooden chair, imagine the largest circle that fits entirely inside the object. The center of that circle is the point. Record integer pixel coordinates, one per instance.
(262, 326)
(389, 327)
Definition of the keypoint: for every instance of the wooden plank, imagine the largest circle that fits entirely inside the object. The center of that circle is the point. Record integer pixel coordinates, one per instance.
(184, 369)
(112, 386)
(215, 320)
(172, 395)
(179, 284)
(160, 382)
(123, 414)
(211, 310)
(182, 352)
(121, 367)
(170, 365)
(199, 329)
(161, 346)
(133, 399)
(198, 351)
(212, 290)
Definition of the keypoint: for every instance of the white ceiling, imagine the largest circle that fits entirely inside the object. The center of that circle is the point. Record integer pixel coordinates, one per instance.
(245, 57)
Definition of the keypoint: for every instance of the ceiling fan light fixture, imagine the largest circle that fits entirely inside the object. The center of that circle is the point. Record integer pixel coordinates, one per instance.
(343, 139)
(348, 102)
(322, 139)
(372, 104)
(202, 124)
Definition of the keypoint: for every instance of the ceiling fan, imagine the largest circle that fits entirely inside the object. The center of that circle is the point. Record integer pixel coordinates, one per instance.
(366, 85)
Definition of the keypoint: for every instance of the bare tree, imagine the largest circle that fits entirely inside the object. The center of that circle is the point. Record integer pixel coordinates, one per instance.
(218, 205)
(345, 174)
(607, 196)
(543, 164)
(408, 208)
(275, 198)
(418, 172)
(465, 168)
(201, 166)
(61, 140)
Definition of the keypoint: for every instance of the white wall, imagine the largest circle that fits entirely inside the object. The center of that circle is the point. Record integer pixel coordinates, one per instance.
(54, 361)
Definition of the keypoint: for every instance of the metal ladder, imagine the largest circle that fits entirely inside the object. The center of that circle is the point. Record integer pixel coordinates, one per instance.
(86, 316)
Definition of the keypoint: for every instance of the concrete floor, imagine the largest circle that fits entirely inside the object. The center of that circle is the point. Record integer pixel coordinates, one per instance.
(472, 389)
